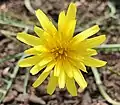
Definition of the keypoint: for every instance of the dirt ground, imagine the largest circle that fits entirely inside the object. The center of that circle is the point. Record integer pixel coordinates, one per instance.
(15, 15)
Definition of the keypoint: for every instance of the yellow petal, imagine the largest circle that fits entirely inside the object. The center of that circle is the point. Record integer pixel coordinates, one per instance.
(66, 27)
(70, 85)
(61, 79)
(61, 21)
(88, 52)
(45, 22)
(28, 39)
(57, 68)
(82, 67)
(75, 55)
(85, 34)
(36, 69)
(40, 79)
(50, 66)
(70, 29)
(84, 52)
(30, 61)
(45, 60)
(91, 52)
(52, 84)
(36, 50)
(50, 41)
(80, 79)
(94, 42)
(31, 51)
(38, 31)
(71, 12)
(68, 68)
(78, 64)
(89, 61)
(41, 48)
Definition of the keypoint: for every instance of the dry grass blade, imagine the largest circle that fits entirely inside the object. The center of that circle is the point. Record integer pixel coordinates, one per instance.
(14, 74)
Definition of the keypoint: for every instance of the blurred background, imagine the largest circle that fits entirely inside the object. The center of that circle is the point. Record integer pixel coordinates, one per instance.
(15, 82)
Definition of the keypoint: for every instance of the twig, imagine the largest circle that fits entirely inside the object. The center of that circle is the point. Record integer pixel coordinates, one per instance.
(28, 6)
(15, 71)
(101, 88)
(10, 57)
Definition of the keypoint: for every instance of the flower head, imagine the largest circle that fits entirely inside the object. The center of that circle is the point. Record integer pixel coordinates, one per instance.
(59, 53)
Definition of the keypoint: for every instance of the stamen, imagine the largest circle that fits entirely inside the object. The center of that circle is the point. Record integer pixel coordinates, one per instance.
(53, 50)
(56, 54)
(65, 53)
(61, 51)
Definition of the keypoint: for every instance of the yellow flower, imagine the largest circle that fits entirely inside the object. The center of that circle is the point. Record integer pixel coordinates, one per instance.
(59, 53)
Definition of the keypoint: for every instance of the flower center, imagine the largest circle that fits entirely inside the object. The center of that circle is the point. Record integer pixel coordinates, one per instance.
(59, 52)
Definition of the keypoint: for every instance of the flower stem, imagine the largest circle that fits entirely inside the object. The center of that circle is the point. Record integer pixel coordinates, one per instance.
(101, 88)
(26, 81)
(109, 47)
